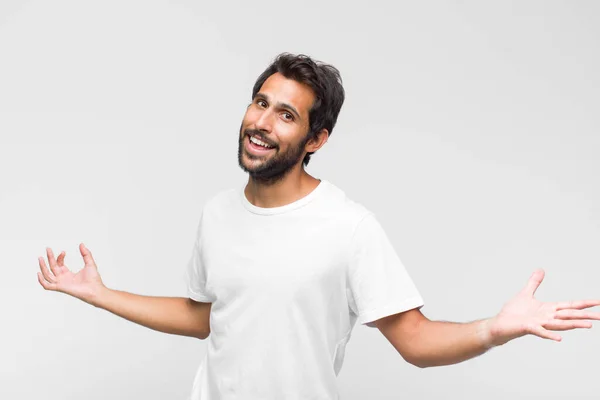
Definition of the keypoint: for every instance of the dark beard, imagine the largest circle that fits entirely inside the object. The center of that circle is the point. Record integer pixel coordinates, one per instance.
(276, 167)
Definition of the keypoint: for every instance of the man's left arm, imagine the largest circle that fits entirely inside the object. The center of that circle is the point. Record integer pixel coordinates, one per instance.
(426, 343)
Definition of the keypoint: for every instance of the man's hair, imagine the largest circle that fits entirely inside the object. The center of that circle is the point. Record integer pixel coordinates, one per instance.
(323, 79)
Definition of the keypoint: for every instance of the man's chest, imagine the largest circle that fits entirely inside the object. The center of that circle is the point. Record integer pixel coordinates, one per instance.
(274, 259)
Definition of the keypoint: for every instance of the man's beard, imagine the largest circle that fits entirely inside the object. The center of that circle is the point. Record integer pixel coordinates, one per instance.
(274, 168)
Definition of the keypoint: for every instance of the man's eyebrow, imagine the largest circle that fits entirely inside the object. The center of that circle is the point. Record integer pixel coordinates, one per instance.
(280, 105)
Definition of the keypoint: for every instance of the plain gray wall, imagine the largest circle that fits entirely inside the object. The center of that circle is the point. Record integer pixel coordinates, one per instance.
(471, 129)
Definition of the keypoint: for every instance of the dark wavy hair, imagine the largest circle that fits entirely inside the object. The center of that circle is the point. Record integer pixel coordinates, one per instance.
(323, 79)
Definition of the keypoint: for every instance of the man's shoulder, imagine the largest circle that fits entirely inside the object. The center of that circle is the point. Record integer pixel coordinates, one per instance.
(220, 199)
(343, 206)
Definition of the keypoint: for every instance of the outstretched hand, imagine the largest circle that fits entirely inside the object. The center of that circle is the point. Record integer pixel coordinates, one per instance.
(84, 285)
(524, 314)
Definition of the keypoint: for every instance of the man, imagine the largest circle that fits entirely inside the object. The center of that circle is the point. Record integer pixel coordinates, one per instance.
(283, 268)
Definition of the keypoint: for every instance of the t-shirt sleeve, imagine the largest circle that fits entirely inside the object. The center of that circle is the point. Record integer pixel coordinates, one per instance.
(379, 284)
(196, 270)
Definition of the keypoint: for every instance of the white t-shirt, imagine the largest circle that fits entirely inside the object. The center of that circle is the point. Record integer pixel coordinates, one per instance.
(287, 285)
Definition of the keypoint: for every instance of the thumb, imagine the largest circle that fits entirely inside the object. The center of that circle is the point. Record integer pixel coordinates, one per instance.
(534, 281)
(87, 256)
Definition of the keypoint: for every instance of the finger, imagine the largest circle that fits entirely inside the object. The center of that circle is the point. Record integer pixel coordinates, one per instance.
(534, 281)
(52, 261)
(577, 305)
(576, 314)
(546, 334)
(567, 325)
(45, 284)
(87, 256)
(60, 260)
(45, 272)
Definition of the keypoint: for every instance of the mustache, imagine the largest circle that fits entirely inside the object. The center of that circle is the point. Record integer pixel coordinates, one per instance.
(259, 135)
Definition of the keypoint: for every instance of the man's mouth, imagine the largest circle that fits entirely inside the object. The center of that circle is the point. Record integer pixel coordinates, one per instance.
(258, 144)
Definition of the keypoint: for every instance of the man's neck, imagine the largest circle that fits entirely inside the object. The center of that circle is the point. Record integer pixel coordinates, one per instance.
(285, 191)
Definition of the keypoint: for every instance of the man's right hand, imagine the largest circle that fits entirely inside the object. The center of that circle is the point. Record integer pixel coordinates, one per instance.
(84, 285)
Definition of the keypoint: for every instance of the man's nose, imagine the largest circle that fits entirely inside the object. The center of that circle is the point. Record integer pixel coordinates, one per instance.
(265, 121)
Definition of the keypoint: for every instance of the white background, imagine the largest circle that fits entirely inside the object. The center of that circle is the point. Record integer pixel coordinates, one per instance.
(471, 129)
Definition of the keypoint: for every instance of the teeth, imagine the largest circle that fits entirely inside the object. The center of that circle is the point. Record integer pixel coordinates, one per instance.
(260, 143)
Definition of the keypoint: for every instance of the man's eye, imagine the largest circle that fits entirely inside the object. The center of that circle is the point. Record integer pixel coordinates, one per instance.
(288, 116)
(261, 103)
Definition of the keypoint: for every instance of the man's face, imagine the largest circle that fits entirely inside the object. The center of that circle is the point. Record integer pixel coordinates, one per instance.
(278, 117)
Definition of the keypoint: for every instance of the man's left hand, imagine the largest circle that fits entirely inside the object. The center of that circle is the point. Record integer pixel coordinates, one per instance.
(524, 315)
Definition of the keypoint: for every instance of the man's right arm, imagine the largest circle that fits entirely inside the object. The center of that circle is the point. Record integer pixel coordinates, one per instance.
(174, 315)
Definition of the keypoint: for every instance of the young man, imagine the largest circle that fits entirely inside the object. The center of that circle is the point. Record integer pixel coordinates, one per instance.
(283, 268)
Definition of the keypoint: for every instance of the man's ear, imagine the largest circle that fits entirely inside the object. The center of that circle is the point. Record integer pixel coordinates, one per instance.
(317, 142)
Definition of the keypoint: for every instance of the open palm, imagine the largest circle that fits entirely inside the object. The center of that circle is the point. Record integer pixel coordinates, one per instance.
(84, 285)
(524, 314)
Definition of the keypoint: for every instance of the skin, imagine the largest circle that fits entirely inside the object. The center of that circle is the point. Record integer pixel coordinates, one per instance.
(427, 343)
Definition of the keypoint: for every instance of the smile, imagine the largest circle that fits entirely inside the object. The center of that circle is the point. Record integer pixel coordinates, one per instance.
(257, 146)
(259, 142)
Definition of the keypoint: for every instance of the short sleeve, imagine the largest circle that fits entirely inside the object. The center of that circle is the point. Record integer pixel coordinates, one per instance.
(379, 284)
(196, 270)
